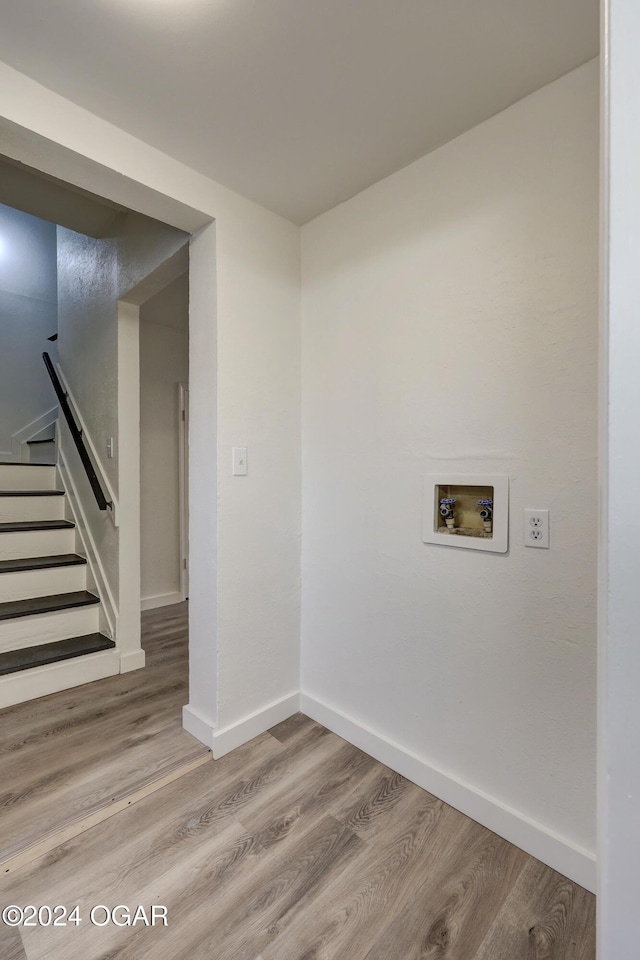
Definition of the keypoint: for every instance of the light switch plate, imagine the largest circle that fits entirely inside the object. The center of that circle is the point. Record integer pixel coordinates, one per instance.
(239, 462)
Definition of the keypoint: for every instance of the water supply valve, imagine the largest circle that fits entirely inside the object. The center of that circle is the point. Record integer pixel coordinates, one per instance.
(447, 505)
(486, 512)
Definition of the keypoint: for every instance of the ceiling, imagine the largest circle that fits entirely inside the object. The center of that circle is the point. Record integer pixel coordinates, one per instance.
(297, 104)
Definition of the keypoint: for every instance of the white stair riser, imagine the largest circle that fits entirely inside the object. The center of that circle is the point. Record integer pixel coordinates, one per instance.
(43, 452)
(25, 584)
(41, 681)
(31, 508)
(48, 627)
(37, 543)
(18, 477)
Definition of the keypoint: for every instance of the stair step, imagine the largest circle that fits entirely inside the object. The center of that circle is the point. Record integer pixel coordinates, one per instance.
(31, 443)
(40, 563)
(22, 578)
(37, 605)
(46, 653)
(27, 476)
(24, 544)
(22, 526)
(29, 508)
(16, 633)
(32, 493)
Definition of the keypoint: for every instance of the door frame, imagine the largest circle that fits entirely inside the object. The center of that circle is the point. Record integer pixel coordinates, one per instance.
(183, 485)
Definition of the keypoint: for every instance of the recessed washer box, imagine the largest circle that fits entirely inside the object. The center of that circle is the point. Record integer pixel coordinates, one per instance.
(470, 511)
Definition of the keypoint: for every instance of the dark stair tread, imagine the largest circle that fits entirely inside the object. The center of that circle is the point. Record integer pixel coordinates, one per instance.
(20, 463)
(35, 605)
(45, 653)
(31, 493)
(30, 443)
(41, 563)
(23, 526)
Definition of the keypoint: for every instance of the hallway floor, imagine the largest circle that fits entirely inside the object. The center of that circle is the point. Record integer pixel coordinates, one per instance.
(67, 757)
(298, 846)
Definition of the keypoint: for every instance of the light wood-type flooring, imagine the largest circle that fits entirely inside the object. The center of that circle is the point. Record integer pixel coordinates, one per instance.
(298, 846)
(66, 756)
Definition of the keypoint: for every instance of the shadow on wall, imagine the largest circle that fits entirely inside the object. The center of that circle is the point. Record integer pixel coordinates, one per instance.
(28, 315)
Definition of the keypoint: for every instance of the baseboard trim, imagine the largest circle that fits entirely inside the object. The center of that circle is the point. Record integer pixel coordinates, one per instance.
(162, 600)
(132, 661)
(252, 726)
(556, 851)
(198, 726)
(54, 677)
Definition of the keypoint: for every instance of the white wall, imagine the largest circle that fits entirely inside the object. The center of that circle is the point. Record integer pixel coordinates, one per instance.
(450, 323)
(28, 315)
(164, 363)
(259, 515)
(245, 387)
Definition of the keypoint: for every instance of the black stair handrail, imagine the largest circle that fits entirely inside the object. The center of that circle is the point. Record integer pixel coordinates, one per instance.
(76, 433)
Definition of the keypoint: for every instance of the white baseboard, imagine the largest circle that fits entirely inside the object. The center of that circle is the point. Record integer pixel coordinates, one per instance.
(162, 600)
(132, 661)
(52, 678)
(198, 726)
(252, 726)
(225, 740)
(556, 851)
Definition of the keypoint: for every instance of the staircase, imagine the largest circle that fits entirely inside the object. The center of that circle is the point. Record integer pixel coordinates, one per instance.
(47, 615)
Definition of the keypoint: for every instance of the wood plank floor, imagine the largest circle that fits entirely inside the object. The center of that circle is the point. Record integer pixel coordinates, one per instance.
(65, 756)
(298, 846)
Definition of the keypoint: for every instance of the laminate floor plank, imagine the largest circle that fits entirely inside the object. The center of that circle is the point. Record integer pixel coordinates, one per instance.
(292, 726)
(296, 846)
(377, 798)
(67, 755)
(318, 791)
(262, 894)
(303, 848)
(354, 907)
(545, 917)
(449, 915)
(209, 801)
(187, 808)
(11, 947)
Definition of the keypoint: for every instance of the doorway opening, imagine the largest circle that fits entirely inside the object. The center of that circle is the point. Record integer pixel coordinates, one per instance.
(129, 727)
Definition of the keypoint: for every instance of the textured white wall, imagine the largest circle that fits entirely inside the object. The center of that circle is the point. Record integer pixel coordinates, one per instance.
(28, 315)
(88, 333)
(164, 363)
(450, 323)
(92, 276)
(258, 275)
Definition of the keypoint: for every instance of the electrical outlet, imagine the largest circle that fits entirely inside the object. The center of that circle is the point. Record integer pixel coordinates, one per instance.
(536, 528)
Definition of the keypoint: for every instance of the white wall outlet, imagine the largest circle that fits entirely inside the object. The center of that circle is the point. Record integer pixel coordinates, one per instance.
(239, 462)
(110, 448)
(536, 528)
